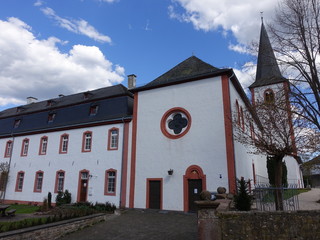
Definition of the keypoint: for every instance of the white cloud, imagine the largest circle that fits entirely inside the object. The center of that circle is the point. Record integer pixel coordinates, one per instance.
(246, 75)
(77, 26)
(241, 18)
(38, 3)
(34, 67)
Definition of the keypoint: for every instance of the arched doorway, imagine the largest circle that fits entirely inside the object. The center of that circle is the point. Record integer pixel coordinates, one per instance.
(194, 182)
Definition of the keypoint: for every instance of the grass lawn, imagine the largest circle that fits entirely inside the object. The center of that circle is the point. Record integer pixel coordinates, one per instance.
(24, 208)
(287, 193)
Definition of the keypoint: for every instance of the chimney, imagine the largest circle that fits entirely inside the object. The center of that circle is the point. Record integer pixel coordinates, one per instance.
(31, 100)
(61, 95)
(131, 81)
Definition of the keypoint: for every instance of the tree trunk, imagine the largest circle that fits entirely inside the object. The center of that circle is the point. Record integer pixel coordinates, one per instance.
(278, 183)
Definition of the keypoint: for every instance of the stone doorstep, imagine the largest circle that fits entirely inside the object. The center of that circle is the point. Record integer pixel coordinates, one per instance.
(55, 224)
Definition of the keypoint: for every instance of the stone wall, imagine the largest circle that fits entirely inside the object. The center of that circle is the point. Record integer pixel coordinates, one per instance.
(54, 230)
(298, 225)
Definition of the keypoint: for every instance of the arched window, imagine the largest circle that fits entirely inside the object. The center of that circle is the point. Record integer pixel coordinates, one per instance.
(25, 147)
(64, 142)
(43, 145)
(38, 181)
(110, 182)
(238, 113)
(113, 139)
(60, 175)
(87, 141)
(268, 96)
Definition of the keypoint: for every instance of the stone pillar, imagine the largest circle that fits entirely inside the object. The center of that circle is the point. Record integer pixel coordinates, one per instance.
(208, 222)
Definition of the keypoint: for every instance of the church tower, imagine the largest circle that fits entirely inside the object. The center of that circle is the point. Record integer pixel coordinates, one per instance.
(270, 86)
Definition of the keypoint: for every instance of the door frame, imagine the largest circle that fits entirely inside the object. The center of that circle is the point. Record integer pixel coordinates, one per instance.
(161, 191)
(192, 172)
(79, 184)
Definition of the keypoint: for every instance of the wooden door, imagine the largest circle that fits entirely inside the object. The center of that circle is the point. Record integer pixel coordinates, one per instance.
(83, 190)
(155, 194)
(194, 190)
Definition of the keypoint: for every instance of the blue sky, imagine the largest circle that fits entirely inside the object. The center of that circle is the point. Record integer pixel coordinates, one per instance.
(57, 47)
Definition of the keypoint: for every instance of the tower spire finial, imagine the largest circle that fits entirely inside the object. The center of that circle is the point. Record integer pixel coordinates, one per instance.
(261, 13)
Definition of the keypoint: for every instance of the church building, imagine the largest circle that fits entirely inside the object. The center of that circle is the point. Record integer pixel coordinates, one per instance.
(156, 146)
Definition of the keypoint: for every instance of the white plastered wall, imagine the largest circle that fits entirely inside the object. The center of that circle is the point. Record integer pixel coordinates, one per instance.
(203, 145)
(97, 162)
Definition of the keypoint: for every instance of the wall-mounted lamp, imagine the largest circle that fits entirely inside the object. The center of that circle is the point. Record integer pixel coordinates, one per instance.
(90, 176)
(220, 176)
(170, 172)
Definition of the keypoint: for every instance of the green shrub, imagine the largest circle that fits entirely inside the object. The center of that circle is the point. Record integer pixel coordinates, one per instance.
(49, 200)
(243, 200)
(63, 198)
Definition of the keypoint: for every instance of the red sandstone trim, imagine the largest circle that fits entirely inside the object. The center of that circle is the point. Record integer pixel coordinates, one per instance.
(6, 153)
(228, 134)
(192, 172)
(133, 151)
(106, 182)
(124, 173)
(79, 184)
(61, 143)
(22, 147)
(109, 139)
(84, 142)
(36, 182)
(148, 192)
(163, 122)
(17, 181)
(56, 182)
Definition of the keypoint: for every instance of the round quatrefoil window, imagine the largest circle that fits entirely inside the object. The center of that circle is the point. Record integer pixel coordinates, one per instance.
(175, 123)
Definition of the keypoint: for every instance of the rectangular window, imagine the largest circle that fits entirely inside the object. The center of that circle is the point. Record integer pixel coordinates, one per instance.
(43, 145)
(93, 110)
(113, 139)
(87, 142)
(64, 140)
(19, 183)
(8, 149)
(17, 123)
(25, 147)
(51, 117)
(38, 182)
(59, 181)
(110, 185)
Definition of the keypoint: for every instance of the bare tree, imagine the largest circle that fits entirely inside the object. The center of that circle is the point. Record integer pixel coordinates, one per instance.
(270, 130)
(295, 32)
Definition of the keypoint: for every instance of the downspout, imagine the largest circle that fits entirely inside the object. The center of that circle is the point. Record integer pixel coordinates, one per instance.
(5, 189)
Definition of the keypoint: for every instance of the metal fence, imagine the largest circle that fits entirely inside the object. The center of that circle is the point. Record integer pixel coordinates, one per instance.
(264, 195)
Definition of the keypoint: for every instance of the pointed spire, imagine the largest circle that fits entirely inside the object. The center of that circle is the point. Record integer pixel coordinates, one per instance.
(268, 71)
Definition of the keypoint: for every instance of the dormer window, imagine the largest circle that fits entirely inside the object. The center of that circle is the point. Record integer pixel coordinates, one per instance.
(93, 110)
(16, 123)
(86, 95)
(269, 96)
(51, 117)
(50, 103)
(19, 109)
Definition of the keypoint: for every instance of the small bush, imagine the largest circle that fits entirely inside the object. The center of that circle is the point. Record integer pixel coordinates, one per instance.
(242, 201)
(63, 198)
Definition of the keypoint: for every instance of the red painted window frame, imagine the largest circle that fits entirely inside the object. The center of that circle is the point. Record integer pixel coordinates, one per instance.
(61, 143)
(84, 141)
(41, 143)
(17, 181)
(107, 182)
(93, 110)
(242, 119)
(36, 181)
(23, 146)
(57, 180)
(110, 140)
(6, 153)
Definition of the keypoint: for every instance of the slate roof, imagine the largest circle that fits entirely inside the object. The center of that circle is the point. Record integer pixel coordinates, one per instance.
(188, 70)
(268, 71)
(114, 103)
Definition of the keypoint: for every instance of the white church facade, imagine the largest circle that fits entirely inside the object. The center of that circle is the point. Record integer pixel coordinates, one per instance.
(156, 146)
